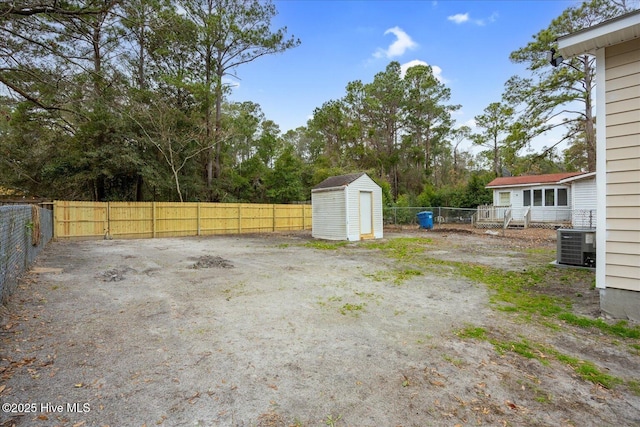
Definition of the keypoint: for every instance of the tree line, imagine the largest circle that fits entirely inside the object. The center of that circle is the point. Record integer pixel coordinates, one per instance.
(114, 100)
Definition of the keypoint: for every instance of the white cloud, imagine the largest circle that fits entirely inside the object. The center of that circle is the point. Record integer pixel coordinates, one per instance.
(437, 71)
(399, 47)
(459, 18)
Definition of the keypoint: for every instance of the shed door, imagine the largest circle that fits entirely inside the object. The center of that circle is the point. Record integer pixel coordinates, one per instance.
(366, 214)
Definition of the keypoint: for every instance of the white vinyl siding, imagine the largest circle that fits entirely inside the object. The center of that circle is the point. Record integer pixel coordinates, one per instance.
(364, 183)
(622, 99)
(336, 211)
(584, 202)
(537, 196)
(326, 206)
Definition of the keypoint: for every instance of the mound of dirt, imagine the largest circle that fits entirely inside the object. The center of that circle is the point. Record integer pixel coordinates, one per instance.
(208, 261)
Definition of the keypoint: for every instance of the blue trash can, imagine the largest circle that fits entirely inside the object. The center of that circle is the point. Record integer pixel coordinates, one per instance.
(425, 219)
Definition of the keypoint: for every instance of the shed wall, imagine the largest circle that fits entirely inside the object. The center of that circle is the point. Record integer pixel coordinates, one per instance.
(364, 183)
(329, 214)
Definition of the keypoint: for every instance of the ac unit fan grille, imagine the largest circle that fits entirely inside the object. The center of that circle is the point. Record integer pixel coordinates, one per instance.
(570, 249)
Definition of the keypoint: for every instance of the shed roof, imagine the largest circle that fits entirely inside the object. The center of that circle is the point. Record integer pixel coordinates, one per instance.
(515, 181)
(339, 181)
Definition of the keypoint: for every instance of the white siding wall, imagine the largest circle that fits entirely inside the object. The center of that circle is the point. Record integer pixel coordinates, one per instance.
(622, 99)
(538, 213)
(329, 214)
(336, 212)
(584, 202)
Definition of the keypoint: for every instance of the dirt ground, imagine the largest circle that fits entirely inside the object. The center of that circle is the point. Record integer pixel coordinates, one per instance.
(270, 330)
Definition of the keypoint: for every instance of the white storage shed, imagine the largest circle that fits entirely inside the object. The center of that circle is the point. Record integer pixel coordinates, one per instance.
(347, 207)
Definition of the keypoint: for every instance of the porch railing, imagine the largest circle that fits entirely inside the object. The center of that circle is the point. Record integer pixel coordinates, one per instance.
(530, 215)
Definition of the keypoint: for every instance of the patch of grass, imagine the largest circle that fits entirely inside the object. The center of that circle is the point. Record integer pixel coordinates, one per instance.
(634, 386)
(401, 247)
(585, 369)
(351, 308)
(540, 395)
(514, 291)
(472, 332)
(541, 251)
(621, 328)
(326, 245)
(397, 277)
(380, 276)
(403, 275)
(455, 362)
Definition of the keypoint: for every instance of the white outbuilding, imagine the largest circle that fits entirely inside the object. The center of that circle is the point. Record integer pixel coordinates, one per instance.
(347, 207)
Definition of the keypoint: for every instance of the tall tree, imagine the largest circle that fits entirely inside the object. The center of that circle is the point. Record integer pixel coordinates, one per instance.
(561, 96)
(428, 117)
(384, 107)
(495, 125)
(230, 33)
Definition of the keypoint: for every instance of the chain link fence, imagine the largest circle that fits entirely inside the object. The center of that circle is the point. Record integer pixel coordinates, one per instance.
(24, 231)
(408, 215)
(541, 218)
(584, 218)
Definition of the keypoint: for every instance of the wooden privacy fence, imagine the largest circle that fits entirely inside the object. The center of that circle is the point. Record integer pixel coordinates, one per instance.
(133, 220)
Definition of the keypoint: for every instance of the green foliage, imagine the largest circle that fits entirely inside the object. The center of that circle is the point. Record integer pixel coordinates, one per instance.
(285, 181)
(153, 122)
(472, 332)
(549, 90)
(620, 328)
(325, 244)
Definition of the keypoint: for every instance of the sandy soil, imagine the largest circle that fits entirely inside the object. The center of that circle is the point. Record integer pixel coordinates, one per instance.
(268, 331)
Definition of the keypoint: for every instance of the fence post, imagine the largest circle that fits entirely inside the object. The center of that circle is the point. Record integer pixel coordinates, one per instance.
(198, 219)
(107, 234)
(273, 217)
(239, 218)
(153, 220)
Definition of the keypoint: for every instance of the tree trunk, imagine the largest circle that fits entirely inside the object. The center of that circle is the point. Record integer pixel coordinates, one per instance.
(589, 123)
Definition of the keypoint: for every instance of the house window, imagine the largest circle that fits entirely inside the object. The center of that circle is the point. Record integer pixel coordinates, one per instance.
(526, 198)
(537, 197)
(562, 197)
(549, 197)
(504, 198)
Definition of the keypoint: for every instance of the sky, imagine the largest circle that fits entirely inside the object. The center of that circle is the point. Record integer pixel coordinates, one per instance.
(467, 43)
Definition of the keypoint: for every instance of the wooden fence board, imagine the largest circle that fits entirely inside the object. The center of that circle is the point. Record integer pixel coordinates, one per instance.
(95, 220)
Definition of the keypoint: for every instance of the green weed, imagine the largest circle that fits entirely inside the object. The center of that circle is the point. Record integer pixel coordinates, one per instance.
(472, 332)
(634, 386)
(326, 245)
(351, 308)
(620, 328)
(331, 421)
(455, 362)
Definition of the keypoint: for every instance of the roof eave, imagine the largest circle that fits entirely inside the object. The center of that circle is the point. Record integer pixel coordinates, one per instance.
(528, 184)
(577, 178)
(323, 189)
(608, 33)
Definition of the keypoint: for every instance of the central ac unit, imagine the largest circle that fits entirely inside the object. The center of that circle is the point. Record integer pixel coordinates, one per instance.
(577, 247)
